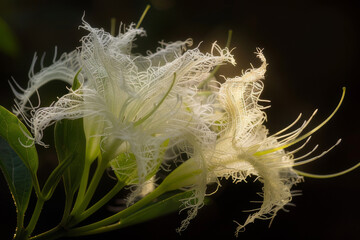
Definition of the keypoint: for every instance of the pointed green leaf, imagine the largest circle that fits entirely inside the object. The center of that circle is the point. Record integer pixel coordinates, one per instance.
(70, 143)
(17, 176)
(13, 131)
(19, 139)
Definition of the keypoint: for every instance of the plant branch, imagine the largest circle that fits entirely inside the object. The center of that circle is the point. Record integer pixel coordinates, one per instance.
(81, 231)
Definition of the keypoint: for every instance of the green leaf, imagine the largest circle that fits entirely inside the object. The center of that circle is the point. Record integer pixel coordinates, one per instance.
(20, 140)
(160, 208)
(17, 176)
(70, 143)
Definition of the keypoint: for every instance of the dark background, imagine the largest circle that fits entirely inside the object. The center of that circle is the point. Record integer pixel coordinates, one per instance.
(312, 50)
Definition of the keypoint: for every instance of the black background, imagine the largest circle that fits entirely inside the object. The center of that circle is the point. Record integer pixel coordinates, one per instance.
(312, 48)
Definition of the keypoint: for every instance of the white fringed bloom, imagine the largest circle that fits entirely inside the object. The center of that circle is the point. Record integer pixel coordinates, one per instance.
(135, 107)
(129, 102)
(244, 135)
(244, 148)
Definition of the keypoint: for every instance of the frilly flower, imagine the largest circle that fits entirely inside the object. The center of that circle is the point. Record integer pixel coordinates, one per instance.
(140, 112)
(244, 148)
(131, 104)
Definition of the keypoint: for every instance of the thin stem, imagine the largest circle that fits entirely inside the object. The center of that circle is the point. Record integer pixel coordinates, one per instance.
(99, 230)
(83, 185)
(20, 234)
(140, 121)
(311, 175)
(36, 185)
(213, 72)
(35, 216)
(228, 41)
(211, 75)
(102, 164)
(54, 233)
(113, 25)
(143, 16)
(306, 135)
(94, 182)
(116, 217)
(119, 185)
(67, 208)
(19, 222)
(60, 230)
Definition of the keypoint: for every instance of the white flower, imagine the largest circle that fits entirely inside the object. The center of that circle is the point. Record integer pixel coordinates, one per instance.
(244, 148)
(130, 103)
(141, 111)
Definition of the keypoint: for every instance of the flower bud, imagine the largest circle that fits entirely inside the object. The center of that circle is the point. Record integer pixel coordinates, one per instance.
(92, 127)
(186, 175)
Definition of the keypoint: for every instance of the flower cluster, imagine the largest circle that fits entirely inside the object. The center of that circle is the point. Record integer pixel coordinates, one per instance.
(141, 113)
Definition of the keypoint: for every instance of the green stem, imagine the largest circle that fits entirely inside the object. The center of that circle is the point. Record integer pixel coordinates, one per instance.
(20, 234)
(85, 230)
(113, 25)
(19, 222)
(60, 230)
(99, 230)
(36, 185)
(143, 16)
(67, 208)
(212, 74)
(54, 233)
(119, 185)
(35, 216)
(83, 186)
(94, 183)
(90, 191)
(311, 175)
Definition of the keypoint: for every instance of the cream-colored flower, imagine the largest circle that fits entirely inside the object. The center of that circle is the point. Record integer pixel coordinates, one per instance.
(142, 111)
(244, 148)
(128, 99)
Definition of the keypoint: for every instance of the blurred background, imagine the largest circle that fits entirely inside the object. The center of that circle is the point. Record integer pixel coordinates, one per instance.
(312, 48)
